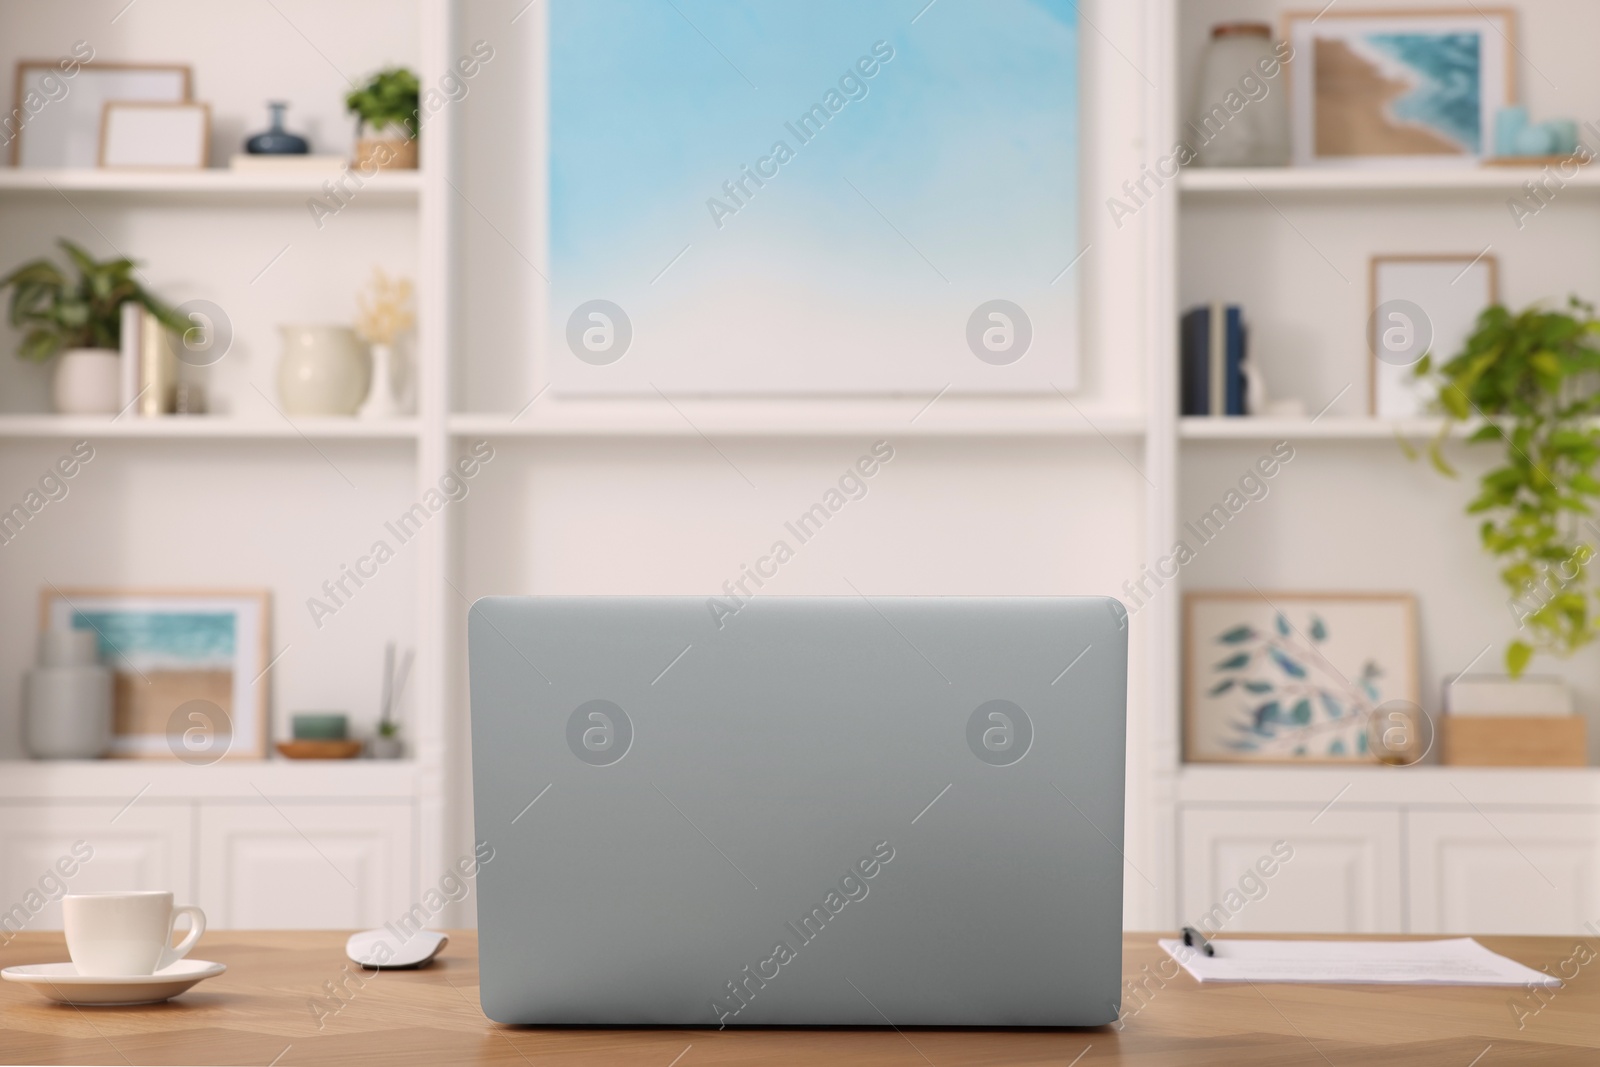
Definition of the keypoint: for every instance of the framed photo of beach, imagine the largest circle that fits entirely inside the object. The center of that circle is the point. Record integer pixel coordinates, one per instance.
(1399, 87)
(1293, 677)
(189, 667)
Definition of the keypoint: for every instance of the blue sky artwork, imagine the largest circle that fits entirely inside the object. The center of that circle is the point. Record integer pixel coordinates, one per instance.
(816, 195)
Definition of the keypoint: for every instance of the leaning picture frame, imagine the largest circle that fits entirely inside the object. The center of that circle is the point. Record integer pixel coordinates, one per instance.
(1287, 677)
(57, 107)
(1421, 304)
(189, 667)
(1398, 86)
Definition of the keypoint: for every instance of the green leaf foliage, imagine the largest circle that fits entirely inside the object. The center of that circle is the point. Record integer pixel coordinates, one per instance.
(55, 311)
(1531, 376)
(391, 97)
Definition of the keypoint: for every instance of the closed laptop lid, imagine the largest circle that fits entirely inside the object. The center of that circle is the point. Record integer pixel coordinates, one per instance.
(840, 811)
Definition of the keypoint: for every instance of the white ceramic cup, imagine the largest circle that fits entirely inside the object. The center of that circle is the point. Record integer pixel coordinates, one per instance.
(122, 934)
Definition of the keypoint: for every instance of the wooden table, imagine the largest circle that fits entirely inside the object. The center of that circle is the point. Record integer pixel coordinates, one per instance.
(261, 1012)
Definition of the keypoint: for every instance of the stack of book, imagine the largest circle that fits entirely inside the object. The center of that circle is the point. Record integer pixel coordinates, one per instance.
(1213, 344)
(149, 368)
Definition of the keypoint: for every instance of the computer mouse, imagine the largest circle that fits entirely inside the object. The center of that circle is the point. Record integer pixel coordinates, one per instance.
(384, 949)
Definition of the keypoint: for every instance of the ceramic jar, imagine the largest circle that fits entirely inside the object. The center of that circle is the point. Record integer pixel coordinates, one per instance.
(88, 381)
(1232, 71)
(324, 370)
(66, 699)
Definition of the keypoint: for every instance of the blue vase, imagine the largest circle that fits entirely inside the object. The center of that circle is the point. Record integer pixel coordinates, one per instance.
(277, 141)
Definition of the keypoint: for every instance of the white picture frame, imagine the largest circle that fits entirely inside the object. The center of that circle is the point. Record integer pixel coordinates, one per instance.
(1363, 90)
(168, 649)
(136, 135)
(1452, 291)
(60, 112)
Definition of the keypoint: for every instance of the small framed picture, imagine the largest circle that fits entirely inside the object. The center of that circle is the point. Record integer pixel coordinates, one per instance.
(1421, 304)
(155, 136)
(189, 668)
(57, 110)
(1293, 677)
(1399, 87)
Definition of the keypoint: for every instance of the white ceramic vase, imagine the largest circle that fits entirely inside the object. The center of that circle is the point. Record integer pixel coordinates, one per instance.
(67, 698)
(381, 402)
(324, 370)
(88, 381)
(1258, 134)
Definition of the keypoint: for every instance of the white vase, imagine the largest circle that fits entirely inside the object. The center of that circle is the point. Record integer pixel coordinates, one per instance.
(67, 698)
(1257, 135)
(88, 381)
(380, 399)
(324, 370)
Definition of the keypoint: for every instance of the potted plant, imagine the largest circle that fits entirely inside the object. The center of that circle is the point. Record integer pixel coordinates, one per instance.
(1531, 377)
(81, 320)
(387, 106)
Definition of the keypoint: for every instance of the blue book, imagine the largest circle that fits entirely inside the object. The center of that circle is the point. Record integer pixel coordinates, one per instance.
(1211, 351)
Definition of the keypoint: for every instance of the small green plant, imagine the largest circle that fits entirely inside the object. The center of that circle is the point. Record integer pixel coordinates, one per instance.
(390, 98)
(55, 312)
(1531, 376)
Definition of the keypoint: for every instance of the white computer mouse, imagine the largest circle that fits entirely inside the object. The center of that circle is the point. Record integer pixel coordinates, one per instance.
(384, 949)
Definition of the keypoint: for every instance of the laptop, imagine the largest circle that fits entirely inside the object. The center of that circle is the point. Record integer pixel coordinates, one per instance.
(896, 811)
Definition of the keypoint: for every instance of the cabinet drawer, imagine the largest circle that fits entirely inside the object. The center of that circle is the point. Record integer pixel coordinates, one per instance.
(1343, 875)
(306, 865)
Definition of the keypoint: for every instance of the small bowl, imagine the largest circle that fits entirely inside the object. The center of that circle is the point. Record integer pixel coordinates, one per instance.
(319, 749)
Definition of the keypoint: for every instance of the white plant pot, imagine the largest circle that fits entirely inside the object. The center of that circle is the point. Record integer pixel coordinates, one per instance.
(88, 381)
(324, 370)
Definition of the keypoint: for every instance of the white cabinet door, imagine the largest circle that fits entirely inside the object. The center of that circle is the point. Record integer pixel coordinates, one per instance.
(306, 864)
(1342, 876)
(1498, 872)
(105, 846)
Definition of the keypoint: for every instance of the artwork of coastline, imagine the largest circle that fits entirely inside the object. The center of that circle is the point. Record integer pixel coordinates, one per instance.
(168, 649)
(1413, 87)
(1398, 95)
(787, 196)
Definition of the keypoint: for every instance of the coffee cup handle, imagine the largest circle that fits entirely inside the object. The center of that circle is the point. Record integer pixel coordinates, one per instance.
(197, 926)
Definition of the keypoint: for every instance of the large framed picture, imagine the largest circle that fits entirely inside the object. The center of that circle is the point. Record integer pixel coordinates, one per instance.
(816, 212)
(1398, 87)
(1293, 677)
(1421, 304)
(189, 668)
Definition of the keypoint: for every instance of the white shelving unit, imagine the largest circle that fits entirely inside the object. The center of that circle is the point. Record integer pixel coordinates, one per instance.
(247, 497)
(1425, 849)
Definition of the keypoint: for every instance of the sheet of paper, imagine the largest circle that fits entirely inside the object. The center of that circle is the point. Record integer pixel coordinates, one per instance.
(1452, 961)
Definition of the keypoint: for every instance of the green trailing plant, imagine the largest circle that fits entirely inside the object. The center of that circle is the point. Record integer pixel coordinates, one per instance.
(390, 98)
(1533, 378)
(55, 311)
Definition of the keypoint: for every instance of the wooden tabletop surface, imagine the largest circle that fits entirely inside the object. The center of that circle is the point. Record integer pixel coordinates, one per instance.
(262, 1012)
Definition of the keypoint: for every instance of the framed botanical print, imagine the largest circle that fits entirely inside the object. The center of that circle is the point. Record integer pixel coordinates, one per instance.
(1293, 677)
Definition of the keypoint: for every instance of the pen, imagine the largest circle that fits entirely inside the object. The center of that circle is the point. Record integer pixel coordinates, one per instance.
(1195, 939)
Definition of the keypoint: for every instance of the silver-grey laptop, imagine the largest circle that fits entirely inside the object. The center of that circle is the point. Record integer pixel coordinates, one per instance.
(899, 811)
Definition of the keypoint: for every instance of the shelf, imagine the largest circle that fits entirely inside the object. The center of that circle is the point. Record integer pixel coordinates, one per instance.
(206, 427)
(1312, 787)
(154, 780)
(1251, 180)
(908, 417)
(1203, 428)
(213, 183)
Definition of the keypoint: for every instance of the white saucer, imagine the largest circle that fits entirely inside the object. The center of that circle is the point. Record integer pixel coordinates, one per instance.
(62, 983)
